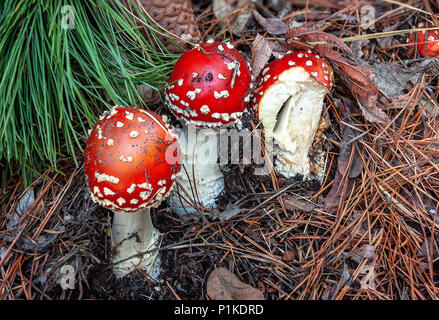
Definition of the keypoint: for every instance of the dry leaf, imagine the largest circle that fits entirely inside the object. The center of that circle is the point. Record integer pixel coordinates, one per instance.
(334, 195)
(273, 25)
(224, 285)
(224, 10)
(367, 251)
(261, 54)
(349, 158)
(359, 80)
(316, 36)
(292, 203)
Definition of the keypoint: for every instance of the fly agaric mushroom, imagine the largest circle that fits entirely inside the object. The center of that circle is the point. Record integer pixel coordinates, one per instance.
(131, 161)
(208, 88)
(289, 102)
(427, 42)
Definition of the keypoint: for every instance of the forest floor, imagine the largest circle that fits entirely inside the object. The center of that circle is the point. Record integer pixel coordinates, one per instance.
(370, 230)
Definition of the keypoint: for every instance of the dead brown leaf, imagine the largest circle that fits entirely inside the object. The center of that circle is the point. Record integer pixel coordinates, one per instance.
(359, 80)
(272, 25)
(292, 203)
(310, 35)
(224, 285)
(261, 54)
(334, 195)
(349, 158)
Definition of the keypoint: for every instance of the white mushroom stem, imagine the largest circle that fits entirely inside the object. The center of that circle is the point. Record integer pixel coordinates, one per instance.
(290, 111)
(133, 233)
(200, 181)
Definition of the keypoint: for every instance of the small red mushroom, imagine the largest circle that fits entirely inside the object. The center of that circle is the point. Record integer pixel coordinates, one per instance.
(131, 160)
(427, 42)
(289, 101)
(209, 86)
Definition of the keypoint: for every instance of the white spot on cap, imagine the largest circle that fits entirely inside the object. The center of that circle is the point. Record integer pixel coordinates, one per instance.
(221, 76)
(110, 142)
(265, 70)
(231, 66)
(204, 109)
(300, 55)
(129, 115)
(108, 192)
(220, 48)
(123, 159)
(194, 74)
(180, 82)
(173, 96)
(225, 117)
(132, 188)
(119, 124)
(222, 94)
(134, 201)
(145, 185)
(291, 63)
(121, 201)
(104, 177)
(161, 182)
(97, 192)
(314, 74)
(216, 115)
(229, 45)
(144, 195)
(134, 134)
(192, 94)
(308, 63)
(140, 119)
(99, 132)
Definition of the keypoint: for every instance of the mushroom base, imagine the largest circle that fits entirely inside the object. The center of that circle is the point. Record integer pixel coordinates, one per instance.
(132, 235)
(200, 181)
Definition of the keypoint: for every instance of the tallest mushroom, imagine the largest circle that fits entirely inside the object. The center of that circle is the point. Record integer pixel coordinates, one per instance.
(208, 88)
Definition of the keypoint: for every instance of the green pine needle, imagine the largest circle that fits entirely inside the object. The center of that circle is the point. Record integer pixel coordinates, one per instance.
(54, 81)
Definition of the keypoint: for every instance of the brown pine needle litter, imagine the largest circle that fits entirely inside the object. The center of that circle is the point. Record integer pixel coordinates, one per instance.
(363, 234)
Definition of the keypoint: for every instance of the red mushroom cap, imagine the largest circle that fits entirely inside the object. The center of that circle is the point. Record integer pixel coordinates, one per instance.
(209, 85)
(312, 63)
(131, 159)
(427, 42)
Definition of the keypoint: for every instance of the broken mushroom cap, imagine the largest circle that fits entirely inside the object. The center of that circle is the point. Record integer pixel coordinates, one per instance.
(303, 62)
(427, 42)
(289, 101)
(209, 86)
(131, 159)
